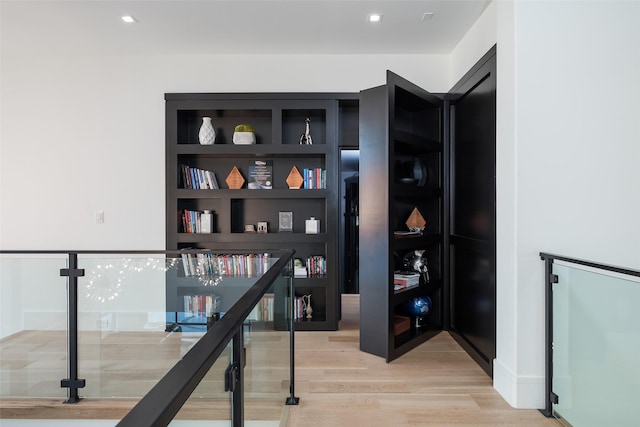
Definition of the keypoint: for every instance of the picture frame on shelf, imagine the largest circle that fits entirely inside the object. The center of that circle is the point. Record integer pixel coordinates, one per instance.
(260, 175)
(285, 221)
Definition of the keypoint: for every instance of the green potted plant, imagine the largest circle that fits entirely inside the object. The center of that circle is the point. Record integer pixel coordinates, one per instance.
(244, 135)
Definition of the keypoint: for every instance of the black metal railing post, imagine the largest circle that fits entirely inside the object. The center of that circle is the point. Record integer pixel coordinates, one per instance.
(237, 399)
(292, 399)
(73, 383)
(548, 332)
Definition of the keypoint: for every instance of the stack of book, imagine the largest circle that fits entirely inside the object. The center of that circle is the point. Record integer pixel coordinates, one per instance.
(192, 221)
(263, 311)
(316, 266)
(198, 179)
(403, 280)
(314, 179)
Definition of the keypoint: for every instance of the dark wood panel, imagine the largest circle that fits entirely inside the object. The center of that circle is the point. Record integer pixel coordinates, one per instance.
(399, 122)
(472, 286)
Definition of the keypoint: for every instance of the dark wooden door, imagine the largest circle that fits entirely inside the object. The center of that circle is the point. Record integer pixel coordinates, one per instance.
(472, 240)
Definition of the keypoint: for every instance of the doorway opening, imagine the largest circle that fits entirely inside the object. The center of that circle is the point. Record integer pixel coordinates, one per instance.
(349, 220)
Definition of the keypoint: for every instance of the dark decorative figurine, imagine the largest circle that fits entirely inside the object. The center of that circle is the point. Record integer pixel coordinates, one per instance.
(305, 139)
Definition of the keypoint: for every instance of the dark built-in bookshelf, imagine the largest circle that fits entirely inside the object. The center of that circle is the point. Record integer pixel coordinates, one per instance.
(402, 153)
(196, 180)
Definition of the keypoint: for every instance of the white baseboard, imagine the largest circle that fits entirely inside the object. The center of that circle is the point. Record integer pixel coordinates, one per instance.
(522, 392)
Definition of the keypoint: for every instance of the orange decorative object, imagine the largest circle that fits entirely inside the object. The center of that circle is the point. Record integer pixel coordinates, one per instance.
(295, 179)
(416, 221)
(235, 180)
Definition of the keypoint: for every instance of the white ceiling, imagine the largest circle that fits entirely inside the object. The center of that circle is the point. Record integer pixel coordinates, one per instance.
(237, 26)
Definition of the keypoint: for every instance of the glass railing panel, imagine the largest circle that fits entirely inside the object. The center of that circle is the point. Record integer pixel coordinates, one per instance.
(123, 348)
(209, 404)
(267, 370)
(596, 340)
(140, 313)
(33, 325)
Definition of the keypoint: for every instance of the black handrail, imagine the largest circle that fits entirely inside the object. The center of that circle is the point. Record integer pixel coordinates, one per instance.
(164, 400)
(550, 397)
(134, 252)
(607, 267)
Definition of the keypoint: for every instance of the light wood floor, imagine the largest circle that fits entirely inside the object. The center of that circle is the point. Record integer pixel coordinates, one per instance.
(436, 384)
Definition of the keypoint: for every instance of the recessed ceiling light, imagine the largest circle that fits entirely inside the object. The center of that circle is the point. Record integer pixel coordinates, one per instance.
(426, 16)
(129, 19)
(375, 17)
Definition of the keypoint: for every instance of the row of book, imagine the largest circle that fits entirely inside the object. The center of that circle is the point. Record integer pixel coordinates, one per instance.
(316, 266)
(263, 311)
(196, 221)
(201, 305)
(299, 308)
(198, 179)
(227, 265)
(314, 179)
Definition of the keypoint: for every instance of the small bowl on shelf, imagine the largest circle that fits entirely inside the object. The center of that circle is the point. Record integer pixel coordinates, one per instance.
(244, 138)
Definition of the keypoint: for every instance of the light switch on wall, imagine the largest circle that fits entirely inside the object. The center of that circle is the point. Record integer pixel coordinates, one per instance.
(99, 217)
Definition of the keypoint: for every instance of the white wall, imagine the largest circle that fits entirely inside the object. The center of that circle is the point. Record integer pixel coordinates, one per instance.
(479, 39)
(568, 150)
(86, 134)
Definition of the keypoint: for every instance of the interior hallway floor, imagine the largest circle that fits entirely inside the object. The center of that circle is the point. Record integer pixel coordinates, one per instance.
(436, 384)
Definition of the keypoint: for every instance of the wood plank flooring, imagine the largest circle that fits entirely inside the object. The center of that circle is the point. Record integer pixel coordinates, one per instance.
(437, 384)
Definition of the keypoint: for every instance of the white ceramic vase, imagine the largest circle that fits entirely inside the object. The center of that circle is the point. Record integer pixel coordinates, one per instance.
(207, 134)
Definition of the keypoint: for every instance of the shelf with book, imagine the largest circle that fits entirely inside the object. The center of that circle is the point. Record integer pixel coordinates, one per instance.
(208, 173)
(280, 123)
(308, 295)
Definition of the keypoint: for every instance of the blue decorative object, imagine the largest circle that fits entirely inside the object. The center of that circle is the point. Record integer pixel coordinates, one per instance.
(418, 308)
